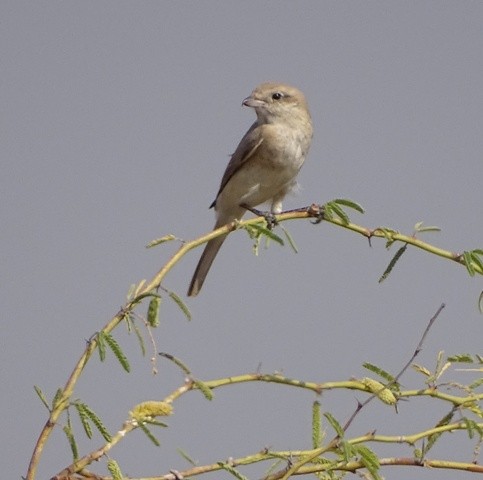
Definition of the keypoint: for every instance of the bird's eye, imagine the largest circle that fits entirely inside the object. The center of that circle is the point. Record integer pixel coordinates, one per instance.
(277, 96)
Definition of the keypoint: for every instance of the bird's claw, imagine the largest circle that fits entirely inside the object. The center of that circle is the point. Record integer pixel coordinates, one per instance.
(316, 211)
(270, 219)
(268, 216)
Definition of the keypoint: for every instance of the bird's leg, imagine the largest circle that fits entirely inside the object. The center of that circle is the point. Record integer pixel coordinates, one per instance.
(268, 216)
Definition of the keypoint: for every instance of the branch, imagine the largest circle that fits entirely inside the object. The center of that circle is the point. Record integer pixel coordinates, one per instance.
(304, 457)
(468, 259)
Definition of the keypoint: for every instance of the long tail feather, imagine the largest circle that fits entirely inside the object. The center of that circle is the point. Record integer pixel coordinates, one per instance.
(203, 267)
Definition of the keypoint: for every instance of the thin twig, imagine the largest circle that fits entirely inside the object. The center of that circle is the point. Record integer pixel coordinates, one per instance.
(292, 469)
(360, 406)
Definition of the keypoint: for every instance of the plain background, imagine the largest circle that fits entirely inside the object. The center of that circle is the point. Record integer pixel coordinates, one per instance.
(118, 119)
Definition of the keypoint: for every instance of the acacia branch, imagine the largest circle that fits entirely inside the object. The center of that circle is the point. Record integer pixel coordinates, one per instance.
(147, 288)
(304, 457)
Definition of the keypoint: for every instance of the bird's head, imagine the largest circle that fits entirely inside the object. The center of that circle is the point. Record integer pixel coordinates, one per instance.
(275, 102)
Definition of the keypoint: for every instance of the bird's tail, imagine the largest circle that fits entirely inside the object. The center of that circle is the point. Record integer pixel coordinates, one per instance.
(203, 267)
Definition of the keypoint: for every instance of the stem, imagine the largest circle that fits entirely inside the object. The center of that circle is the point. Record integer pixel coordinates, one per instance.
(155, 282)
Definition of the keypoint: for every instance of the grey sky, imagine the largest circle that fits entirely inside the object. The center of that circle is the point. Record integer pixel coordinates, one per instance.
(118, 119)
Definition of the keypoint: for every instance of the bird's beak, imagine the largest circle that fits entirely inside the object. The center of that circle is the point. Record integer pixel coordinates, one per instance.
(253, 102)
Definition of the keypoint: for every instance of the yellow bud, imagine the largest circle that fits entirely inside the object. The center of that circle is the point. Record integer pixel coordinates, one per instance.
(383, 393)
(151, 409)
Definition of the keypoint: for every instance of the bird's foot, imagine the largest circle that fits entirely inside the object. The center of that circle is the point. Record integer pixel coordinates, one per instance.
(316, 211)
(268, 216)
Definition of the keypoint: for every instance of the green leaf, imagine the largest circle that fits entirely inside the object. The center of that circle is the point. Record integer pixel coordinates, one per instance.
(476, 384)
(204, 389)
(233, 471)
(472, 427)
(461, 358)
(434, 437)
(148, 434)
(421, 369)
(160, 240)
(176, 361)
(469, 266)
(480, 302)
(184, 308)
(70, 438)
(140, 296)
(137, 289)
(84, 418)
(432, 228)
(153, 311)
(421, 229)
(130, 292)
(187, 457)
(140, 338)
(116, 349)
(268, 233)
(128, 320)
(156, 423)
(326, 212)
(476, 259)
(85, 414)
(114, 469)
(349, 203)
(388, 235)
(57, 397)
(289, 238)
(369, 459)
(441, 366)
(379, 371)
(41, 395)
(334, 424)
(393, 262)
(346, 450)
(469, 427)
(101, 346)
(334, 208)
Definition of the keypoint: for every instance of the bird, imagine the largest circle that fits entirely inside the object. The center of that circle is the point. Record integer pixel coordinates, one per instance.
(265, 164)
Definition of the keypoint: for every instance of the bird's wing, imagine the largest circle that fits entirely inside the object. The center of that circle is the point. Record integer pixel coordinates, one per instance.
(248, 145)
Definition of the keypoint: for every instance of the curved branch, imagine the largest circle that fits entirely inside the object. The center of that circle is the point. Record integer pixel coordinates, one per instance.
(313, 211)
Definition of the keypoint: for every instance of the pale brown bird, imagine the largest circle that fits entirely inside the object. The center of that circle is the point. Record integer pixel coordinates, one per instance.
(264, 165)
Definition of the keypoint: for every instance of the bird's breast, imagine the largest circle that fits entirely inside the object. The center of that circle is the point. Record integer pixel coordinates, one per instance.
(284, 148)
